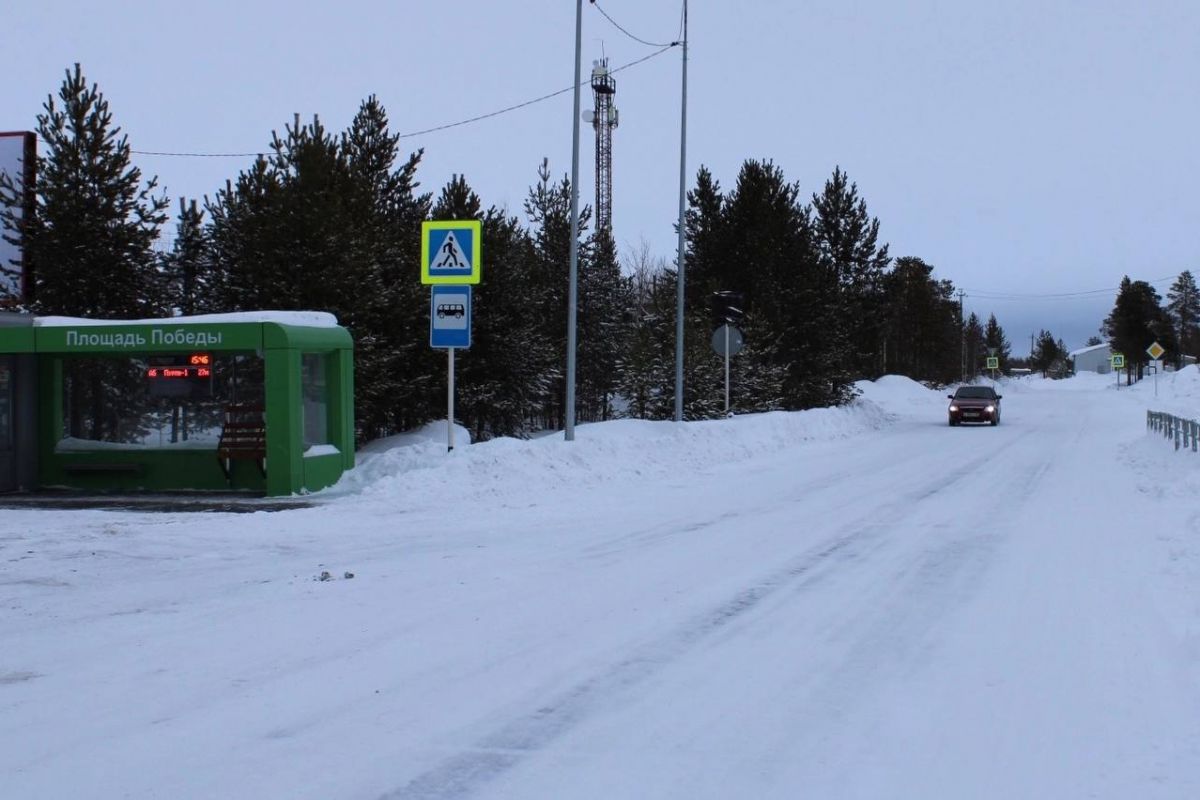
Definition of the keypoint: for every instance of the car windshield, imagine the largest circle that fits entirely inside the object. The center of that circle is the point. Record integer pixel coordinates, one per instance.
(978, 392)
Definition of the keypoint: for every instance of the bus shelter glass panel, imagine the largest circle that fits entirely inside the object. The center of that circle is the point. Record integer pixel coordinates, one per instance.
(159, 401)
(314, 393)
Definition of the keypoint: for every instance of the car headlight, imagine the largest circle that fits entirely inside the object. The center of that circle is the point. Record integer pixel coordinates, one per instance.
(953, 407)
(990, 409)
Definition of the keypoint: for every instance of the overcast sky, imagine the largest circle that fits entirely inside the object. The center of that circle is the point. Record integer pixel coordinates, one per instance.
(1032, 147)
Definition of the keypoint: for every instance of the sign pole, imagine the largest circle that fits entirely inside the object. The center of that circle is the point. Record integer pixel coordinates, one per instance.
(450, 404)
(726, 327)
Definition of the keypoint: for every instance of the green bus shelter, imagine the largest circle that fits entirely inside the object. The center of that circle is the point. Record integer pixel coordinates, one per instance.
(257, 402)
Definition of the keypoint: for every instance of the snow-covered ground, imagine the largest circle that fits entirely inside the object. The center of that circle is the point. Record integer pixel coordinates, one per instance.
(842, 603)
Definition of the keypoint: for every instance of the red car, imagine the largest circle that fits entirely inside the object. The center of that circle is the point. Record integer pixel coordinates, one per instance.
(974, 404)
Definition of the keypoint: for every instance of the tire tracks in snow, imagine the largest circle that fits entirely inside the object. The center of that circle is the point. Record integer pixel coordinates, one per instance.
(500, 751)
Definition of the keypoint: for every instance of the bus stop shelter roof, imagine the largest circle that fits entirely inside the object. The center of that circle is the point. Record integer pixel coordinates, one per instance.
(310, 331)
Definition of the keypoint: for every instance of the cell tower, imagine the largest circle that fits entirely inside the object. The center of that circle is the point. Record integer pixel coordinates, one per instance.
(604, 119)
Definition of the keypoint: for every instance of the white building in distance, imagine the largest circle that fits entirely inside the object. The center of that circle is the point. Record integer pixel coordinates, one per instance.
(1096, 358)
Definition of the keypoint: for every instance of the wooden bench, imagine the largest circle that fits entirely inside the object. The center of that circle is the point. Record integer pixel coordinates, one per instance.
(243, 438)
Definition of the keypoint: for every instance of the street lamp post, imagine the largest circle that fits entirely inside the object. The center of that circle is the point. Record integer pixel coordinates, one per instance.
(573, 290)
(679, 304)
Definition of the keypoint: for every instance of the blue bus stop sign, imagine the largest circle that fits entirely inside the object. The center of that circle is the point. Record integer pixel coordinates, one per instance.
(450, 316)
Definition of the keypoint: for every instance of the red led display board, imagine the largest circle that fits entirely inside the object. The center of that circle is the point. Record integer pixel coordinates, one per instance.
(180, 376)
(179, 372)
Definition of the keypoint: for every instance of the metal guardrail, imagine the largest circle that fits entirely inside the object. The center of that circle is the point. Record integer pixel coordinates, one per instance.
(1181, 430)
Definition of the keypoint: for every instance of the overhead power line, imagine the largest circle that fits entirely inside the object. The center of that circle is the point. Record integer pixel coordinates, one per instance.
(637, 39)
(435, 129)
(984, 294)
(659, 52)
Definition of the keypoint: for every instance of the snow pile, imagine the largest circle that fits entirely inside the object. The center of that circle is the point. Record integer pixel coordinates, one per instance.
(1178, 392)
(1162, 471)
(903, 396)
(1080, 382)
(415, 470)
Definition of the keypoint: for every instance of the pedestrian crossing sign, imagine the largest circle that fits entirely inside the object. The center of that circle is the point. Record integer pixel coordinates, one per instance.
(450, 251)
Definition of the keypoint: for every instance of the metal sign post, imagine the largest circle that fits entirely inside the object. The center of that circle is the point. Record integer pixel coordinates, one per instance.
(726, 329)
(450, 404)
(451, 261)
(1156, 351)
(449, 327)
(727, 341)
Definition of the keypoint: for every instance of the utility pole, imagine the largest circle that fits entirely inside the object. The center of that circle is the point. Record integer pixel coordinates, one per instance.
(962, 326)
(682, 196)
(573, 283)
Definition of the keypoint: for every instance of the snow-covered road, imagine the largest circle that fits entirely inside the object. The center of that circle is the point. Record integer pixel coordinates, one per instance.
(858, 603)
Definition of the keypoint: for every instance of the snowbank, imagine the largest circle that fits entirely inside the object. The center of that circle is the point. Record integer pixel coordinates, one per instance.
(903, 396)
(416, 470)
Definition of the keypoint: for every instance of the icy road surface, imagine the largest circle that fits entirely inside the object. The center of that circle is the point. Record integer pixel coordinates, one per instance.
(853, 603)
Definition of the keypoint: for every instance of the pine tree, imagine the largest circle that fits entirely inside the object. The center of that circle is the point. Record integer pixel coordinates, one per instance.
(1136, 321)
(847, 238)
(921, 335)
(548, 208)
(187, 270)
(995, 340)
(504, 377)
(646, 363)
(975, 346)
(398, 376)
(763, 247)
(708, 268)
(1183, 306)
(91, 232)
(1046, 352)
(332, 223)
(603, 302)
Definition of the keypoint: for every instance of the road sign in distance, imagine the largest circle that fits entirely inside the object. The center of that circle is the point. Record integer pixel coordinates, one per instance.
(735, 340)
(1155, 351)
(1118, 360)
(993, 363)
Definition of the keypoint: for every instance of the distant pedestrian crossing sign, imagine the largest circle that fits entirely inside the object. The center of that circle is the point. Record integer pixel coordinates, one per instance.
(1118, 361)
(993, 362)
(450, 251)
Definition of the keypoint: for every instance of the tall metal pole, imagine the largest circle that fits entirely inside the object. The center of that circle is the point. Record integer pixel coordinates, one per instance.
(572, 292)
(962, 321)
(682, 196)
(450, 403)
(725, 327)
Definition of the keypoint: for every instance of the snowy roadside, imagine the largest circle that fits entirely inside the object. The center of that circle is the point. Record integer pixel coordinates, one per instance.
(418, 468)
